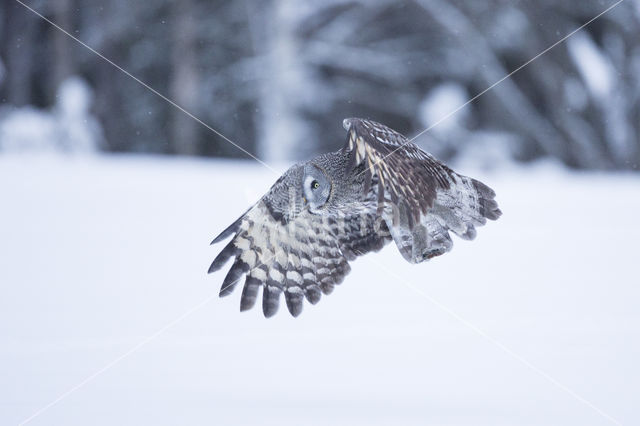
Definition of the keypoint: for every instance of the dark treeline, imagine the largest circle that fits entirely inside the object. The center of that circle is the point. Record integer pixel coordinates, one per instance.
(279, 76)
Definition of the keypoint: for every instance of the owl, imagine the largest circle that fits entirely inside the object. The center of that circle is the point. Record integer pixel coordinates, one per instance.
(299, 238)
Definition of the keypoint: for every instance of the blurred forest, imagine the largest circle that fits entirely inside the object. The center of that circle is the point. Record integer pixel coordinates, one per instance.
(278, 76)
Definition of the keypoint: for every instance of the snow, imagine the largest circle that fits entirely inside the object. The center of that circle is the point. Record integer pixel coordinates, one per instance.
(68, 127)
(595, 68)
(27, 129)
(439, 103)
(99, 253)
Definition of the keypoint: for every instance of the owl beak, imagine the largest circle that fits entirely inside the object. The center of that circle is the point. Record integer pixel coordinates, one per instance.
(304, 199)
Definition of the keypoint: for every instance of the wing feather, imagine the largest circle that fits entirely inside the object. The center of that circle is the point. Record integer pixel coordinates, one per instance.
(420, 198)
(302, 259)
(250, 291)
(408, 196)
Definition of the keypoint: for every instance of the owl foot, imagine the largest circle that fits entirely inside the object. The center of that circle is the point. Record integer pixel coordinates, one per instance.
(429, 254)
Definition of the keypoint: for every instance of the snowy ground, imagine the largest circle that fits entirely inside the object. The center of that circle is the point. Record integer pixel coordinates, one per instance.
(97, 255)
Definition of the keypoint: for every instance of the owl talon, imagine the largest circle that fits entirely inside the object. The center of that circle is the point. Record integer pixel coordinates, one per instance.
(430, 254)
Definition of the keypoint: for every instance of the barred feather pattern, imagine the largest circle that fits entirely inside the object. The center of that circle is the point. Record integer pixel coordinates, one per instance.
(305, 258)
(405, 173)
(297, 241)
(420, 198)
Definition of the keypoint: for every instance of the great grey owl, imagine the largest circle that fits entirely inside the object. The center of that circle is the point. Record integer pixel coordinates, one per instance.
(299, 237)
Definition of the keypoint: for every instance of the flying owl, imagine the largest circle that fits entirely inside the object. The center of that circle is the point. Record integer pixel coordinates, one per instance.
(299, 237)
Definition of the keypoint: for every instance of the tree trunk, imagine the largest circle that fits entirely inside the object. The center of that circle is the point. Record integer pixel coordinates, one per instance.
(280, 127)
(18, 38)
(62, 58)
(510, 99)
(184, 79)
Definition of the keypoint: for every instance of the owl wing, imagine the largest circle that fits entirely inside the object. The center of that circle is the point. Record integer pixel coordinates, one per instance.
(302, 256)
(420, 198)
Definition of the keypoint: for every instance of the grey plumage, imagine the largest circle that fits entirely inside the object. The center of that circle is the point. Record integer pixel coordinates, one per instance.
(321, 214)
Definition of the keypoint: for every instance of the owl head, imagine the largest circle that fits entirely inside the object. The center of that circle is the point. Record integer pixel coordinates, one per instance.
(316, 187)
(303, 187)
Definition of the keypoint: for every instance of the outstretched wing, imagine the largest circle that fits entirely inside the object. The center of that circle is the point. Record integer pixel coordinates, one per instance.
(302, 256)
(420, 198)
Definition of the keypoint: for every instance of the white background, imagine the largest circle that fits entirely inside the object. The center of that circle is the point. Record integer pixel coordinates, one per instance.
(98, 254)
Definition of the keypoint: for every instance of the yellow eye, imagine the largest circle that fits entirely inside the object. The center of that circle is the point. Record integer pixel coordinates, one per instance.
(315, 184)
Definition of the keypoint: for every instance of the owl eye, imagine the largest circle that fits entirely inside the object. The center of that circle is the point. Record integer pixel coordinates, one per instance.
(315, 184)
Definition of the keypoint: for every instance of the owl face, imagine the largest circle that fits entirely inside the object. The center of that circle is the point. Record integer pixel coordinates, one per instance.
(316, 187)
